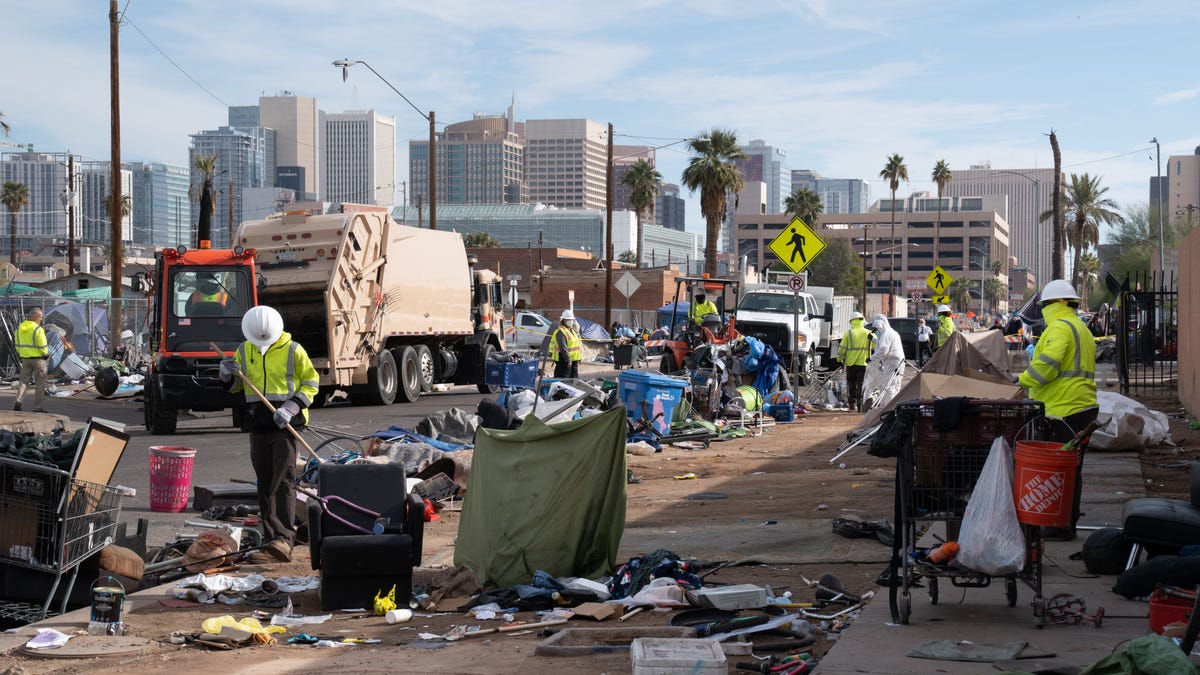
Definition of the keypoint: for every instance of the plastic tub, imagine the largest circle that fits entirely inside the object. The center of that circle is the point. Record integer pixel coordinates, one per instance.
(646, 395)
(1044, 483)
(170, 477)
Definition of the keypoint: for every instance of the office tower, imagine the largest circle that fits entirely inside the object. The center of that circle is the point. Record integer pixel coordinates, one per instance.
(241, 163)
(838, 195)
(566, 163)
(670, 207)
(296, 121)
(360, 158)
(767, 164)
(480, 161)
(161, 208)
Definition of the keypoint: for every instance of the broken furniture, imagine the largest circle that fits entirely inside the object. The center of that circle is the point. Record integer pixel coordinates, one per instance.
(1161, 525)
(355, 566)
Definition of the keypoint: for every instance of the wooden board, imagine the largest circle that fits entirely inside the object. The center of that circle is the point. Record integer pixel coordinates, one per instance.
(100, 451)
(92, 646)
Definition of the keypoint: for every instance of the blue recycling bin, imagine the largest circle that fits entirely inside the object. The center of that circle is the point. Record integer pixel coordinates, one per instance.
(651, 396)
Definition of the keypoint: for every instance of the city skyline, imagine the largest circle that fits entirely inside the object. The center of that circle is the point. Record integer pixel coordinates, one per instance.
(839, 89)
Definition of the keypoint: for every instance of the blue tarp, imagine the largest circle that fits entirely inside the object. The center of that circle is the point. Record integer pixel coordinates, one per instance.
(589, 330)
(396, 433)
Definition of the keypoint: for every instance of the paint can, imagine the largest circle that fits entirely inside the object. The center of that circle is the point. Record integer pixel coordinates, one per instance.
(108, 607)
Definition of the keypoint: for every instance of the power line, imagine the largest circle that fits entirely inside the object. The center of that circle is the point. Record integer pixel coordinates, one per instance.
(1105, 159)
(171, 61)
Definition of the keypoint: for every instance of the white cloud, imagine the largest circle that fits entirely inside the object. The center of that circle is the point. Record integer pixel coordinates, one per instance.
(1177, 96)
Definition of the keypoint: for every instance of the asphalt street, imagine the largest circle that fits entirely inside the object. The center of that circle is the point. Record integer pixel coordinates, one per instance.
(223, 453)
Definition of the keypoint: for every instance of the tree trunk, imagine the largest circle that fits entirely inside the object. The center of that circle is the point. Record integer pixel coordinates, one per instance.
(641, 238)
(12, 254)
(204, 227)
(1076, 277)
(937, 231)
(710, 244)
(1056, 263)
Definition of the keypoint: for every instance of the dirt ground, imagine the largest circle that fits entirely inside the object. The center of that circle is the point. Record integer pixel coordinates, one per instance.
(785, 471)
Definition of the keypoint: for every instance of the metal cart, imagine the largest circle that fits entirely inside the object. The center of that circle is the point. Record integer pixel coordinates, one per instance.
(936, 471)
(51, 522)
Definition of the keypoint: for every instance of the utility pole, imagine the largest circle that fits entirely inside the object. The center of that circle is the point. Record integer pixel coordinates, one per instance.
(608, 235)
(432, 172)
(115, 211)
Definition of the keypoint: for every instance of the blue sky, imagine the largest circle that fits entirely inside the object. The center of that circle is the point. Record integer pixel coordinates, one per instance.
(838, 85)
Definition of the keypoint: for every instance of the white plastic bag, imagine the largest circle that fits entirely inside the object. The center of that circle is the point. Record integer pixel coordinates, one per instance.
(990, 540)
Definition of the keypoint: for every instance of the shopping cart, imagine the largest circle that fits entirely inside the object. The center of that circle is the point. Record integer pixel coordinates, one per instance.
(936, 471)
(51, 522)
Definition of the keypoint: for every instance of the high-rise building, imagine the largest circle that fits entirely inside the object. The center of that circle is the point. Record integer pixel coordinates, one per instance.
(360, 158)
(566, 163)
(161, 208)
(479, 161)
(624, 157)
(1181, 187)
(241, 163)
(1028, 194)
(767, 164)
(297, 124)
(670, 207)
(93, 185)
(838, 195)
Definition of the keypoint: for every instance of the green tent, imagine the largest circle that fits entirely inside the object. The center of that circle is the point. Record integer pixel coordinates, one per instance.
(17, 289)
(545, 497)
(98, 293)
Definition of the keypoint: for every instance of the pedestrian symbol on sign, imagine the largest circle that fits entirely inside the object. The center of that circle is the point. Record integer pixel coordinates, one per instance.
(797, 244)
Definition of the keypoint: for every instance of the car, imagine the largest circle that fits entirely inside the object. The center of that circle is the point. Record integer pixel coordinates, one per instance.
(907, 328)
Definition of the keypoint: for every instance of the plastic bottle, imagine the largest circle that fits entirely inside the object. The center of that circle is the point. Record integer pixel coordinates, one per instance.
(942, 554)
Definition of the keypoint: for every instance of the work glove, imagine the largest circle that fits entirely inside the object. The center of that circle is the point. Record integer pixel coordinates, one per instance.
(285, 413)
(229, 367)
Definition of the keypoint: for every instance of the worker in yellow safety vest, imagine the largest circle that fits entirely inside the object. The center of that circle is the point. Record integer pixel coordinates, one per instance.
(945, 326)
(32, 348)
(1062, 375)
(701, 308)
(566, 347)
(854, 352)
(208, 290)
(281, 370)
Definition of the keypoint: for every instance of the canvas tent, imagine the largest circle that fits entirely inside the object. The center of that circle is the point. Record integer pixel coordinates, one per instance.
(545, 497)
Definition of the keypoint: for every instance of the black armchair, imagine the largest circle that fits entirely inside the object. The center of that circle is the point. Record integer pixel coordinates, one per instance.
(355, 566)
(1161, 525)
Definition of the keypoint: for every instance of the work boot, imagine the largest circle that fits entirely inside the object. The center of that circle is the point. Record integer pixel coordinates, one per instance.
(17, 406)
(279, 549)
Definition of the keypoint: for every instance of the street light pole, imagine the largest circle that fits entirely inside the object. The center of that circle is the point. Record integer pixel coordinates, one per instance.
(345, 64)
(1158, 158)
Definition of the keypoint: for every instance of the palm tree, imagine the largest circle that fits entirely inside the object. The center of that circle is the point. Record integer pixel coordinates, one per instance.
(643, 181)
(206, 195)
(941, 176)
(628, 257)
(893, 172)
(960, 293)
(126, 207)
(805, 205)
(4, 125)
(712, 171)
(13, 195)
(1056, 212)
(994, 290)
(480, 240)
(1088, 267)
(1086, 207)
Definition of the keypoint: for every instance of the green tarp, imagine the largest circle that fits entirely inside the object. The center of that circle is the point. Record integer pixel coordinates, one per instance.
(545, 497)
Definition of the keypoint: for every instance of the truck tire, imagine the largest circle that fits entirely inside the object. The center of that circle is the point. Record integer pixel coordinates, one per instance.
(410, 373)
(382, 381)
(426, 367)
(485, 352)
(160, 419)
(666, 365)
(806, 367)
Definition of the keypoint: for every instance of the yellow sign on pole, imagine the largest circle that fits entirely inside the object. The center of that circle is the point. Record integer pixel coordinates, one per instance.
(940, 299)
(939, 280)
(796, 246)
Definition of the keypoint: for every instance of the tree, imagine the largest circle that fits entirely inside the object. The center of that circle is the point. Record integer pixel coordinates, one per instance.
(1056, 212)
(13, 195)
(804, 204)
(1087, 267)
(1087, 208)
(960, 293)
(205, 194)
(893, 172)
(628, 257)
(994, 290)
(126, 207)
(643, 181)
(941, 176)
(712, 171)
(480, 240)
(837, 266)
(4, 125)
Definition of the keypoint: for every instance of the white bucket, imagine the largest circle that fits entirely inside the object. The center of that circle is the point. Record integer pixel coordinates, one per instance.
(73, 367)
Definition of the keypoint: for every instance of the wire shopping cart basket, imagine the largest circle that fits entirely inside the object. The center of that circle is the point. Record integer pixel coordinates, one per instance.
(51, 522)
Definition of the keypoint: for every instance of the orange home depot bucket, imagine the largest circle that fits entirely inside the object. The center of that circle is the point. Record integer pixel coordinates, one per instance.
(1044, 483)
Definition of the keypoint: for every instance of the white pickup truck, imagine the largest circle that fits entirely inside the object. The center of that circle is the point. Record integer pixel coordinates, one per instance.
(527, 330)
(770, 313)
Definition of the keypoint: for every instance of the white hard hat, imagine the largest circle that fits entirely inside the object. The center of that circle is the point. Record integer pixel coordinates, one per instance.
(262, 326)
(856, 315)
(878, 317)
(567, 315)
(943, 308)
(1059, 289)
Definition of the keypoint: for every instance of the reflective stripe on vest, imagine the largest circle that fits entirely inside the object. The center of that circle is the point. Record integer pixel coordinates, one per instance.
(574, 344)
(27, 341)
(289, 376)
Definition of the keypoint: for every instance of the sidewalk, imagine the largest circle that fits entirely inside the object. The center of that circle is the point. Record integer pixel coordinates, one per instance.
(980, 615)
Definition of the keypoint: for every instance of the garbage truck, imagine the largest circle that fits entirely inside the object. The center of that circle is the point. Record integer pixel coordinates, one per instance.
(384, 310)
(198, 297)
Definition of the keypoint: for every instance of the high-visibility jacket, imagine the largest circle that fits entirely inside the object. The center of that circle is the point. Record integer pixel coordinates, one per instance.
(1062, 372)
(945, 329)
(284, 373)
(701, 309)
(220, 297)
(855, 347)
(572, 341)
(31, 340)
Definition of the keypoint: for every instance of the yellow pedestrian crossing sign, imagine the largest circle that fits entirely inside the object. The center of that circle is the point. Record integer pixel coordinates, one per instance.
(940, 299)
(939, 280)
(796, 246)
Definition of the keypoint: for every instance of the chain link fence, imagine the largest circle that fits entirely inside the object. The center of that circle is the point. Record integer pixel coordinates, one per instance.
(85, 328)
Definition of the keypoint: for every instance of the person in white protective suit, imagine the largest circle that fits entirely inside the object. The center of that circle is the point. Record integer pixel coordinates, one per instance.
(885, 371)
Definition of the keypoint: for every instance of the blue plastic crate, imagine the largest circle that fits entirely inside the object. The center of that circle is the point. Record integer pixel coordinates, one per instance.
(782, 412)
(521, 375)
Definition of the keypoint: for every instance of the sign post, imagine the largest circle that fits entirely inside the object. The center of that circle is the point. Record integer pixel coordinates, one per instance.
(797, 283)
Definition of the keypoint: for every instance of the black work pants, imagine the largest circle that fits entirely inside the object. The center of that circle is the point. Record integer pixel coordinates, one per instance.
(924, 352)
(566, 368)
(1063, 430)
(854, 382)
(273, 456)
